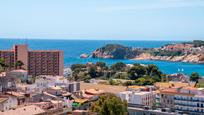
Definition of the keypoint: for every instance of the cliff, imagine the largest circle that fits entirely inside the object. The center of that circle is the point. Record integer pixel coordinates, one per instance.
(191, 58)
(171, 52)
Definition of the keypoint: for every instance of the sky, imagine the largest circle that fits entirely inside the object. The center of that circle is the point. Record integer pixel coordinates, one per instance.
(102, 19)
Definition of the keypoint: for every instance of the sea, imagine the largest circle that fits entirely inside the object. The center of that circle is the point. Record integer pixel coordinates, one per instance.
(74, 48)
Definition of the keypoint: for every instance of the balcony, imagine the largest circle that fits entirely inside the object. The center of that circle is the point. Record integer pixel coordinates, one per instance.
(193, 100)
(187, 105)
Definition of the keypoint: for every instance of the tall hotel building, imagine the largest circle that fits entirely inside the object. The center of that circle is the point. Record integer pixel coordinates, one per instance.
(36, 62)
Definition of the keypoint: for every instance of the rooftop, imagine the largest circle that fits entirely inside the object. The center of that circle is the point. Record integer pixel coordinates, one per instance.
(16, 94)
(3, 99)
(18, 70)
(94, 91)
(174, 91)
(106, 88)
(164, 85)
(136, 93)
(78, 100)
(27, 110)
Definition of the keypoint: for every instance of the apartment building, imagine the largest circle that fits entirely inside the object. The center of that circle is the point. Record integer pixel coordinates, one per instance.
(144, 98)
(36, 62)
(188, 100)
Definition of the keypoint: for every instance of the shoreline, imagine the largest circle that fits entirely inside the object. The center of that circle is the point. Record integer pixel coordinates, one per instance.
(193, 59)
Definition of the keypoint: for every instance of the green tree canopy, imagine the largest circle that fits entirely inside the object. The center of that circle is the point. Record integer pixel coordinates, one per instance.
(120, 66)
(92, 71)
(109, 104)
(194, 76)
(136, 71)
(121, 75)
(77, 66)
(153, 70)
(19, 64)
(3, 65)
(101, 64)
(145, 80)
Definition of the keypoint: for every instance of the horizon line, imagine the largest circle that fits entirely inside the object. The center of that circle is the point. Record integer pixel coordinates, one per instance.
(89, 39)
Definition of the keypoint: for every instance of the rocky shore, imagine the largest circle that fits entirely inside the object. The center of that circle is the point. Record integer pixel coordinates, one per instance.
(175, 53)
(197, 58)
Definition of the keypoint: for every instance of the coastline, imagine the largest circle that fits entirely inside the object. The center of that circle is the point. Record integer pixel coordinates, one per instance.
(186, 58)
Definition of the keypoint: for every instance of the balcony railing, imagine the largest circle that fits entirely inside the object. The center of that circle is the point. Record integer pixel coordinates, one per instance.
(193, 100)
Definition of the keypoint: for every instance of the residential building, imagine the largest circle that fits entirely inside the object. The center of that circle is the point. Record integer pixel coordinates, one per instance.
(21, 99)
(8, 102)
(167, 97)
(185, 100)
(43, 82)
(26, 110)
(178, 77)
(7, 83)
(143, 111)
(144, 98)
(21, 74)
(36, 62)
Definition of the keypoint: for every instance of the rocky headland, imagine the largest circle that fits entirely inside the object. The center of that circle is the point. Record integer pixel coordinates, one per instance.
(191, 52)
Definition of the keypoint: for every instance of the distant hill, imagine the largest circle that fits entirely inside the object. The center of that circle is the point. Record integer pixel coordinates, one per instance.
(192, 52)
(114, 51)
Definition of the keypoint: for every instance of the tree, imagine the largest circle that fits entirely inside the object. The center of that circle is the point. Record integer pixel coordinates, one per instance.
(194, 76)
(140, 81)
(136, 71)
(121, 75)
(127, 83)
(109, 104)
(92, 71)
(19, 64)
(118, 66)
(152, 70)
(145, 80)
(101, 65)
(112, 82)
(77, 66)
(3, 65)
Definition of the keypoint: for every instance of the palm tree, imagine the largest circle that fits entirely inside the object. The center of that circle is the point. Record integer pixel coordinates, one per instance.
(19, 64)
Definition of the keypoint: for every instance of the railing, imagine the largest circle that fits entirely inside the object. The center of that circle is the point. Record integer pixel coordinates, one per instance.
(194, 111)
(193, 100)
(188, 105)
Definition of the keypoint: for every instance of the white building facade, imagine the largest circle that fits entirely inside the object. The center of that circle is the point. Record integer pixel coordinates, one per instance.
(138, 97)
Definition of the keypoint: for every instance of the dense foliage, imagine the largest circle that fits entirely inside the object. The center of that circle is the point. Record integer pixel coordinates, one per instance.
(167, 53)
(19, 64)
(117, 51)
(109, 104)
(194, 76)
(3, 65)
(198, 43)
(140, 74)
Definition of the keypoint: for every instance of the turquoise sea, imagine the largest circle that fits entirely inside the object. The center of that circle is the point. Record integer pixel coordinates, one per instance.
(74, 48)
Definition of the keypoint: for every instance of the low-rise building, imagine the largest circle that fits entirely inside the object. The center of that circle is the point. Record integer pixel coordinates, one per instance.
(21, 74)
(26, 110)
(7, 83)
(144, 98)
(8, 102)
(187, 100)
(44, 82)
(143, 111)
(178, 77)
(21, 99)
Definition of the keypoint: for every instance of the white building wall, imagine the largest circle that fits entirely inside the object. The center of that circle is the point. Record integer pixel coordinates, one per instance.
(9, 104)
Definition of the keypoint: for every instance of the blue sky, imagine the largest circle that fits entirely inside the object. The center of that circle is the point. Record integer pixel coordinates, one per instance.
(102, 19)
